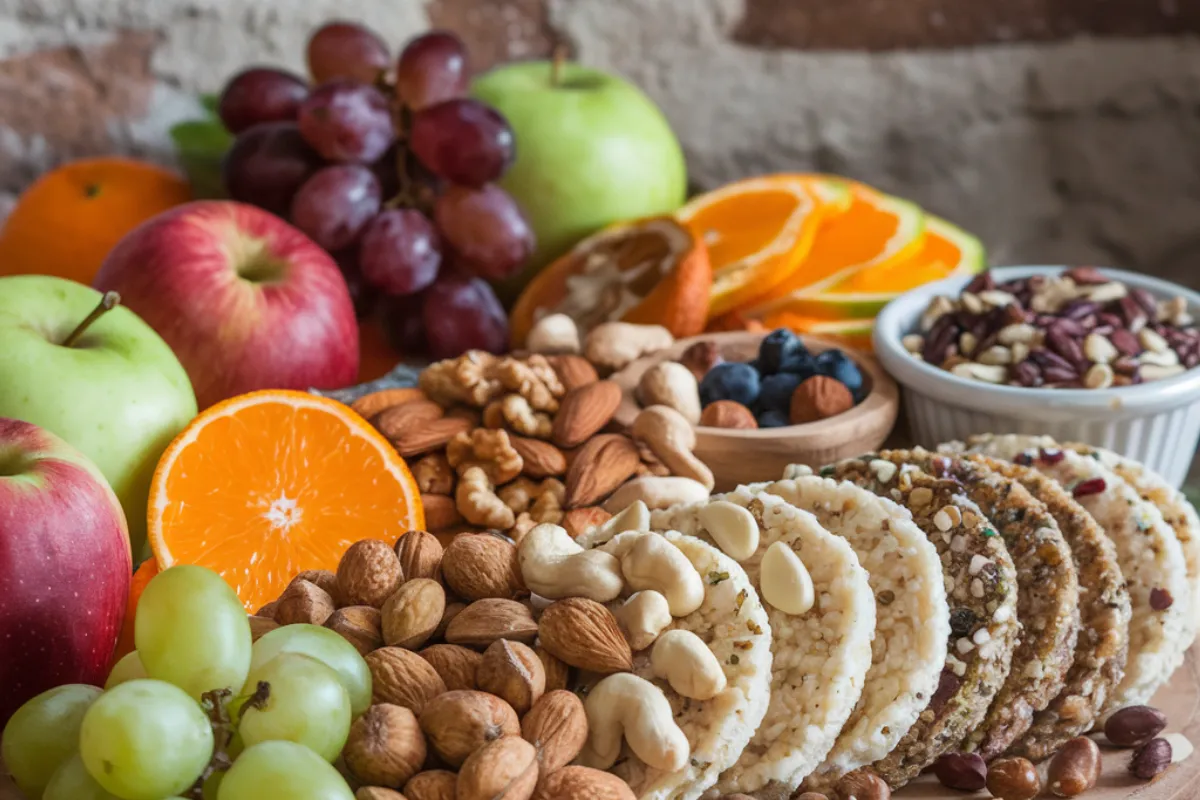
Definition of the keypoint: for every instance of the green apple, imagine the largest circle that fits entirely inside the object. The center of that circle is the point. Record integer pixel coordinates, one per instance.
(592, 149)
(116, 392)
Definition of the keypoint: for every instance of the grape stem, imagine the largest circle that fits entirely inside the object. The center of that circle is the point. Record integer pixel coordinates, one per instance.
(216, 705)
(108, 302)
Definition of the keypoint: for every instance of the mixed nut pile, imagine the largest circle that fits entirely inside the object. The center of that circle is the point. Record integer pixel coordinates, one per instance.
(1078, 329)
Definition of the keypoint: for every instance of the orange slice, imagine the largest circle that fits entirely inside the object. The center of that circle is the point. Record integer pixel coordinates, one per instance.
(876, 231)
(141, 577)
(266, 485)
(758, 231)
(852, 333)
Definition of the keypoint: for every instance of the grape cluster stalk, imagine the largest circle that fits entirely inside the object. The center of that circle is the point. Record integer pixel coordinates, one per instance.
(390, 167)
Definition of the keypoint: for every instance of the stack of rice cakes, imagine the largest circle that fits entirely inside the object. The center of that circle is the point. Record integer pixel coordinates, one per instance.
(999, 596)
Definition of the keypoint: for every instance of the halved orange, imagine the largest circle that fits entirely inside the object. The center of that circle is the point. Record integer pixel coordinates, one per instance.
(877, 230)
(141, 577)
(758, 231)
(650, 271)
(852, 333)
(268, 484)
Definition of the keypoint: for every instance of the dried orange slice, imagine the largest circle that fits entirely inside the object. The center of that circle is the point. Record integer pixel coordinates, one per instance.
(650, 271)
(758, 231)
(272, 483)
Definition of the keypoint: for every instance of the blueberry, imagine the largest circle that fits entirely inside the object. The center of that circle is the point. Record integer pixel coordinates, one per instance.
(841, 367)
(775, 349)
(776, 392)
(803, 364)
(732, 380)
(773, 419)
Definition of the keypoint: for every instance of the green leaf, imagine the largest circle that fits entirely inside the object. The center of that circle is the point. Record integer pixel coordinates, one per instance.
(200, 145)
(210, 101)
(1193, 495)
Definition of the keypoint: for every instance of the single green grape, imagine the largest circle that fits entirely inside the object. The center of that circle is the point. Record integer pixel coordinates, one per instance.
(282, 769)
(43, 733)
(72, 781)
(323, 645)
(307, 704)
(191, 630)
(145, 740)
(129, 668)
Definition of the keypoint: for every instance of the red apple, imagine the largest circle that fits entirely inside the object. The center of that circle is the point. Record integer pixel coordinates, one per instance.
(64, 566)
(245, 300)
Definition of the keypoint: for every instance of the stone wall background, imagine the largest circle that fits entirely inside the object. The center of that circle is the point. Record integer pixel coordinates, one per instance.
(1058, 130)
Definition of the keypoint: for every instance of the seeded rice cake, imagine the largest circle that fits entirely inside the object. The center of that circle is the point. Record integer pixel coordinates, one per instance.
(1104, 612)
(981, 589)
(1047, 600)
(1149, 553)
(821, 658)
(912, 620)
(734, 624)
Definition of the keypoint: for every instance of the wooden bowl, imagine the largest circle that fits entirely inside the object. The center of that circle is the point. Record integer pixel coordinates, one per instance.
(746, 456)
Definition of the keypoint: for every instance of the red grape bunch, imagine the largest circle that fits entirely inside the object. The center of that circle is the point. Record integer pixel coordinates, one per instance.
(390, 167)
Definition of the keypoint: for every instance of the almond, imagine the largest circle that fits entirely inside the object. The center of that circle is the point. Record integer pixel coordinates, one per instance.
(542, 459)
(583, 783)
(420, 555)
(600, 466)
(459, 723)
(479, 565)
(358, 625)
(369, 405)
(573, 371)
(585, 634)
(578, 521)
(452, 611)
(558, 674)
(395, 421)
(557, 726)
(441, 512)
(514, 673)
(485, 621)
(303, 602)
(429, 436)
(433, 784)
(413, 613)
(505, 769)
(368, 573)
(458, 666)
(403, 678)
(584, 411)
(728, 414)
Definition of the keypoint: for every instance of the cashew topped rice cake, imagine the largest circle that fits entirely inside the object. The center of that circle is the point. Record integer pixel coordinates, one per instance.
(1047, 598)
(912, 620)
(821, 656)
(1161, 626)
(733, 623)
(1104, 612)
(981, 589)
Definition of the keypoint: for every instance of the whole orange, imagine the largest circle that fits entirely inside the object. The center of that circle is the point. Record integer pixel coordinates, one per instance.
(68, 220)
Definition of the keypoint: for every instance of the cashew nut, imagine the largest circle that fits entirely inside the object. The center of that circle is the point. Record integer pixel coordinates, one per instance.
(657, 493)
(671, 438)
(624, 705)
(615, 345)
(553, 334)
(732, 527)
(784, 580)
(684, 660)
(671, 384)
(554, 566)
(634, 517)
(643, 617)
(650, 561)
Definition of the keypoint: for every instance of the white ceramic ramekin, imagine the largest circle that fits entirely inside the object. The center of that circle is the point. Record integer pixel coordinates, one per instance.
(1156, 423)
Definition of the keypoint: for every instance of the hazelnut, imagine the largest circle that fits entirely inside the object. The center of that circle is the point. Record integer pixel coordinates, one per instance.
(1134, 725)
(1075, 768)
(452, 611)
(513, 672)
(261, 626)
(434, 784)
(966, 772)
(458, 723)
(701, 357)
(368, 573)
(358, 625)
(819, 397)
(303, 602)
(479, 565)
(267, 611)
(385, 746)
(458, 666)
(1013, 779)
(420, 555)
(413, 613)
(506, 768)
(728, 414)
(1151, 759)
(863, 785)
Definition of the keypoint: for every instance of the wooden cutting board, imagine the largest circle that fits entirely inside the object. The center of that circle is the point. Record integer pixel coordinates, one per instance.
(1180, 699)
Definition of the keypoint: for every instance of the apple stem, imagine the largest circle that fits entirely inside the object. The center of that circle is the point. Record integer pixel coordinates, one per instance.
(107, 303)
(556, 64)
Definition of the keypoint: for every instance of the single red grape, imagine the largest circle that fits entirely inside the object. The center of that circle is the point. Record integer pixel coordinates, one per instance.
(346, 50)
(403, 324)
(260, 94)
(485, 228)
(347, 121)
(267, 164)
(335, 204)
(462, 313)
(400, 251)
(362, 294)
(464, 141)
(432, 68)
